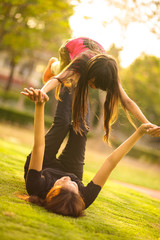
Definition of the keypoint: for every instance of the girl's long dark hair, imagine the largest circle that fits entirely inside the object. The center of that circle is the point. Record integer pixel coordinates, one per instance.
(103, 72)
(80, 97)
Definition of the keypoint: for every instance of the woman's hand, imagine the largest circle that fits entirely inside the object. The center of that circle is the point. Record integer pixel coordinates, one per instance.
(35, 95)
(149, 128)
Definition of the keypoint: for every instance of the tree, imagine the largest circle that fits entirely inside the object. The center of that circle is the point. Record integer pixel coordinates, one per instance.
(31, 26)
(115, 52)
(141, 81)
(142, 11)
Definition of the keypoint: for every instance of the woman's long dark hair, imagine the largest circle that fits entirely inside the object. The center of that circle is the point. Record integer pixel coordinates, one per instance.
(61, 201)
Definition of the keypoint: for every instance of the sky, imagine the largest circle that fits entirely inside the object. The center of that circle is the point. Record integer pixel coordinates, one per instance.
(96, 20)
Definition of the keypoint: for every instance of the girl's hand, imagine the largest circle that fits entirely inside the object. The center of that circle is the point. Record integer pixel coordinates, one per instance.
(149, 128)
(35, 95)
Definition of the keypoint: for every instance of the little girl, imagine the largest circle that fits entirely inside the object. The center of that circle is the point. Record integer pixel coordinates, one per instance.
(83, 62)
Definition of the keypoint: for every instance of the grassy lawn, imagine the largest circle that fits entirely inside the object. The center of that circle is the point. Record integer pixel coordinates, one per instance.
(118, 213)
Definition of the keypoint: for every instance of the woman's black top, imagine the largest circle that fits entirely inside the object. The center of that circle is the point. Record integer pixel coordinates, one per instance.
(39, 183)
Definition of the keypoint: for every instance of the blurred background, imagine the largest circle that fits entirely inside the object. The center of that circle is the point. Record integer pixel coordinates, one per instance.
(31, 32)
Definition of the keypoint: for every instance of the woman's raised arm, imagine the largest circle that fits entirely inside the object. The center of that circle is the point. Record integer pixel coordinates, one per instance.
(39, 134)
(114, 158)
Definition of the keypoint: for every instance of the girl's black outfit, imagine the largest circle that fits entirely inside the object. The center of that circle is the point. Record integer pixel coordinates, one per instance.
(69, 163)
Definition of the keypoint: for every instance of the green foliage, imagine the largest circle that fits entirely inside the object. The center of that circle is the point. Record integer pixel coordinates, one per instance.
(22, 118)
(141, 81)
(33, 25)
(10, 95)
(29, 27)
(144, 152)
(11, 98)
(95, 106)
(117, 214)
(115, 52)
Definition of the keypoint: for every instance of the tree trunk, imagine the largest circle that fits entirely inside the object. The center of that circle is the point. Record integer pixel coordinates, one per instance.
(10, 78)
(20, 104)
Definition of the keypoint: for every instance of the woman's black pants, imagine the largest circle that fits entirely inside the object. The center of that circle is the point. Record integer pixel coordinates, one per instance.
(71, 159)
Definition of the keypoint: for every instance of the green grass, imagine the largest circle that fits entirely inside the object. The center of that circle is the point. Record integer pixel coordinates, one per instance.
(118, 213)
(143, 174)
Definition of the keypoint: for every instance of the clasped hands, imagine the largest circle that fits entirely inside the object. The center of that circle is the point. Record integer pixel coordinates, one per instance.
(149, 128)
(35, 95)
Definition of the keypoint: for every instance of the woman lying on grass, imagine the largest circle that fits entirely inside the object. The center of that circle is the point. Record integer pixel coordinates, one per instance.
(56, 184)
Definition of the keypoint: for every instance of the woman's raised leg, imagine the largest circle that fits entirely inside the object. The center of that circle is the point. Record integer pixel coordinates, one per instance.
(72, 157)
(58, 130)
